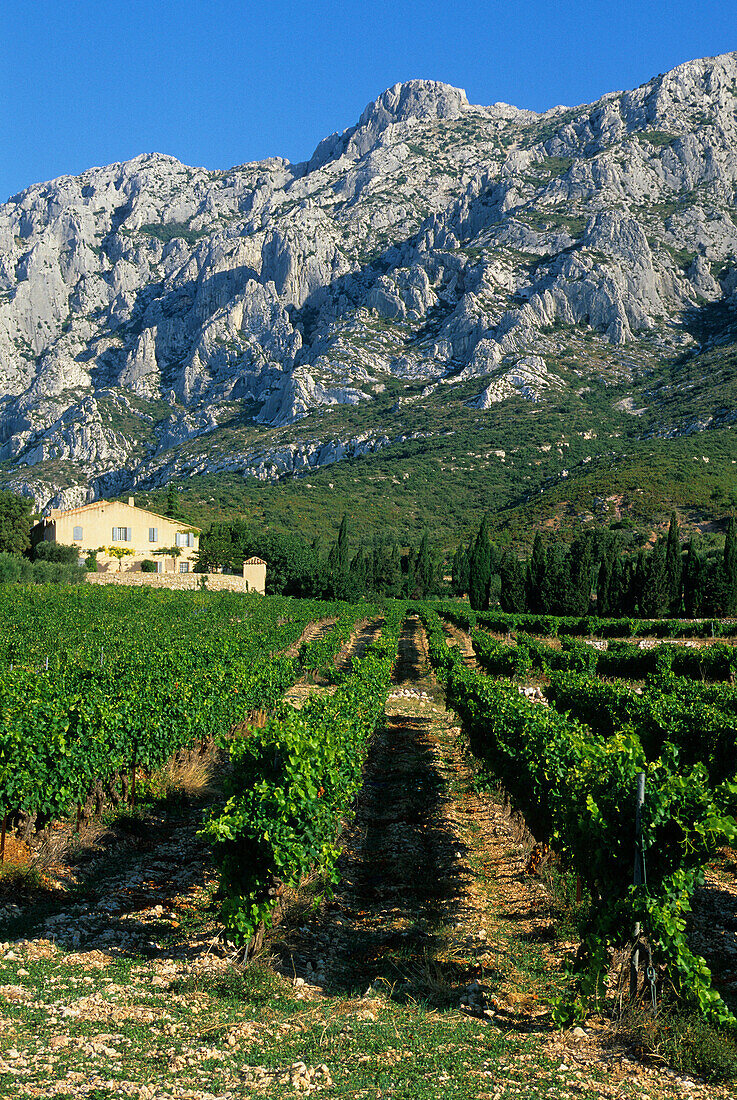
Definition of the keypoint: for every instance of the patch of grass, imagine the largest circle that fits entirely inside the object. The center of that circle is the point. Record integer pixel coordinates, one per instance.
(659, 138)
(18, 879)
(569, 913)
(686, 1042)
(171, 230)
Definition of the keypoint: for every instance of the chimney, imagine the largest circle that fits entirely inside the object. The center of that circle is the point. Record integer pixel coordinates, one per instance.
(130, 502)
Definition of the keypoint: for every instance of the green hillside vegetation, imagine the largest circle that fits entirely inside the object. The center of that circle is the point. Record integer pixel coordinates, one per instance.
(445, 484)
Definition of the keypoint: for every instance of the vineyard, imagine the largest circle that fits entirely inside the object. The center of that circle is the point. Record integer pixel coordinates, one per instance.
(101, 689)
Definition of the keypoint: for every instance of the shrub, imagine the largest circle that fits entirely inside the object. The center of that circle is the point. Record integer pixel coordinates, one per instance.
(56, 552)
(14, 568)
(148, 566)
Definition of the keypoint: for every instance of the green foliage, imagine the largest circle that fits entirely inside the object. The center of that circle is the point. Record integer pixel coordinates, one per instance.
(290, 785)
(55, 551)
(148, 566)
(95, 680)
(17, 569)
(15, 522)
(169, 231)
(577, 790)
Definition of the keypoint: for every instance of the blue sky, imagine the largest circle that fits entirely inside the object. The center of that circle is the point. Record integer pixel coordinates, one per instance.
(221, 82)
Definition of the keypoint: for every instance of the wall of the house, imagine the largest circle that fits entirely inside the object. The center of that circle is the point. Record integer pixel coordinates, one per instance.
(255, 574)
(93, 526)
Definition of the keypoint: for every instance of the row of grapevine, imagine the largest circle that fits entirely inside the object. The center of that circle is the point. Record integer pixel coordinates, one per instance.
(700, 720)
(577, 791)
(190, 670)
(716, 662)
(291, 786)
(587, 626)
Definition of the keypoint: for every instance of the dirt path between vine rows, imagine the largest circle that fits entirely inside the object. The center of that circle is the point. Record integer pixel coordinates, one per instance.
(311, 633)
(434, 903)
(428, 975)
(363, 634)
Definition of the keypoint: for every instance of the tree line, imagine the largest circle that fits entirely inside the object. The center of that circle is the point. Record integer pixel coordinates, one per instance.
(594, 574)
(332, 570)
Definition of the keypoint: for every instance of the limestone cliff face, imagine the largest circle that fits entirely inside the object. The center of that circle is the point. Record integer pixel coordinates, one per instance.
(146, 306)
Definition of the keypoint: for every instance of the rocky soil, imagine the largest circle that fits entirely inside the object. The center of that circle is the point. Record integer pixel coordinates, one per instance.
(427, 973)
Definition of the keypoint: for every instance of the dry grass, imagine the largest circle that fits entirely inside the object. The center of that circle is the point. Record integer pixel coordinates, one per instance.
(190, 775)
(65, 842)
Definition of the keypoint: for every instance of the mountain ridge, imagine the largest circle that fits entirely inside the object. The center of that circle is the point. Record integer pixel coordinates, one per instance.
(437, 263)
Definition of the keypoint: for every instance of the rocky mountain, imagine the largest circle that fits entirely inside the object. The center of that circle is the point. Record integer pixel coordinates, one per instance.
(437, 263)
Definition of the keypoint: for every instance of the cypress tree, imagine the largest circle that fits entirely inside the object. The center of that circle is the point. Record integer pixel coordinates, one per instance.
(655, 591)
(604, 581)
(394, 572)
(425, 568)
(555, 592)
(693, 581)
(730, 568)
(512, 574)
(339, 563)
(479, 572)
(581, 563)
(610, 579)
(674, 567)
(460, 571)
(618, 595)
(536, 575)
(410, 576)
(359, 573)
(638, 584)
(172, 509)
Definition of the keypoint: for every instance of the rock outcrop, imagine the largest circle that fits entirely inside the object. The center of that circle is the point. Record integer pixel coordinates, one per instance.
(158, 320)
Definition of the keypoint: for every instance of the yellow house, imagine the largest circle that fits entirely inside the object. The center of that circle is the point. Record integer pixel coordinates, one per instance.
(112, 528)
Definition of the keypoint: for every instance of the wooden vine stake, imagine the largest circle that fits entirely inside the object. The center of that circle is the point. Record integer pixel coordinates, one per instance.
(2, 838)
(637, 879)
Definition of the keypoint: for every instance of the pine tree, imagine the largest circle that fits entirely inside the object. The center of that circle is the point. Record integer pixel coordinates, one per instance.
(730, 568)
(674, 567)
(536, 575)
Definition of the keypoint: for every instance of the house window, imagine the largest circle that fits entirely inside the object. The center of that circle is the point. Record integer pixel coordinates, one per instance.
(159, 566)
(122, 534)
(185, 538)
(153, 534)
(77, 534)
(184, 567)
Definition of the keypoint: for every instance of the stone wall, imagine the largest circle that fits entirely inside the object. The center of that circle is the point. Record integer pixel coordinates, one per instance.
(182, 582)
